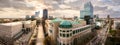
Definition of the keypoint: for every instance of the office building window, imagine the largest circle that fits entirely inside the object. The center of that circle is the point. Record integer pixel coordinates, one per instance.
(73, 32)
(76, 31)
(63, 31)
(63, 35)
(67, 35)
(60, 30)
(70, 34)
(60, 34)
(68, 31)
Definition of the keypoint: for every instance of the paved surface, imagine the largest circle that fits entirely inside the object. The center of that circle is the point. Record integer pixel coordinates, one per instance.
(100, 38)
(40, 36)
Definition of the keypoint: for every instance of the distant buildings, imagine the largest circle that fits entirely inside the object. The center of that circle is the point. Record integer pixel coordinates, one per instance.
(27, 17)
(45, 14)
(44, 18)
(50, 17)
(88, 10)
(37, 13)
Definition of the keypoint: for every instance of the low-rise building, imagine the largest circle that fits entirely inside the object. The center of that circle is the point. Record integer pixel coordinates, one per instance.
(68, 32)
(10, 29)
(16, 32)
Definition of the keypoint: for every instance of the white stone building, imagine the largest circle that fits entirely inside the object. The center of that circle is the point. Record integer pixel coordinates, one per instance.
(68, 32)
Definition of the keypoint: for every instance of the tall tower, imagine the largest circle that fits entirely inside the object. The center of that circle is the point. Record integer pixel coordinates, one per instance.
(37, 13)
(88, 10)
(45, 16)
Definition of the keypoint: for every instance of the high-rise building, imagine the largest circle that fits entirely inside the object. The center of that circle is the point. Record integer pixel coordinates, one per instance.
(88, 10)
(45, 14)
(37, 13)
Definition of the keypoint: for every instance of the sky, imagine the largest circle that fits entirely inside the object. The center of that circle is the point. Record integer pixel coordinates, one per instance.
(57, 8)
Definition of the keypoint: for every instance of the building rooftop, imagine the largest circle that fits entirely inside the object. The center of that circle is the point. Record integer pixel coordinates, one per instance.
(75, 22)
(57, 20)
(11, 24)
(65, 24)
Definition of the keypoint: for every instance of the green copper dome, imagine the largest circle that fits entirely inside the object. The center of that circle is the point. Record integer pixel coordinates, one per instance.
(65, 24)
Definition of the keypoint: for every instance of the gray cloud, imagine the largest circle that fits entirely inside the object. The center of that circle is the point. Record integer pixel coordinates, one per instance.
(18, 4)
(98, 8)
(103, 7)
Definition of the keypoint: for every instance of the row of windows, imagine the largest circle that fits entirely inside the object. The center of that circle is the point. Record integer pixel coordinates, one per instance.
(65, 35)
(71, 30)
(65, 30)
(79, 30)
(76, 41)
(64, 44)
(74, 32)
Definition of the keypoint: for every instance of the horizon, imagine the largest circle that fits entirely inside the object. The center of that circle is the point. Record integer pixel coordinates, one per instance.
(21, 8)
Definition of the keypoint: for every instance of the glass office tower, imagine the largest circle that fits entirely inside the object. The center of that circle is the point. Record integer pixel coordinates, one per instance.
(88, 10)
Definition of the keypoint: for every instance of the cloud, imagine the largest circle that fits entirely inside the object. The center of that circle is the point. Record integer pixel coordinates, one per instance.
(15, 8)
(18, 4)
(98, 8)
(101, 7)
(67, 13)
(107, 7)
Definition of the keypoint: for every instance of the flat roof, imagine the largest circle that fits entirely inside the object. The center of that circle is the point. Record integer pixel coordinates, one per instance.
(11, 24)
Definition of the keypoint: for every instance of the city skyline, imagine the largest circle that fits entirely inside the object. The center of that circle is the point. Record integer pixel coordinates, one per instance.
(61, 7)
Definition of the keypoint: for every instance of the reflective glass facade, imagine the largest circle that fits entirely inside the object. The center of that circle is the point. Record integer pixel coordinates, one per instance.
(88, 10)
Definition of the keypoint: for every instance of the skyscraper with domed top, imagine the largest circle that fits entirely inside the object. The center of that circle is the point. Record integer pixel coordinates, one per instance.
(88, 10)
